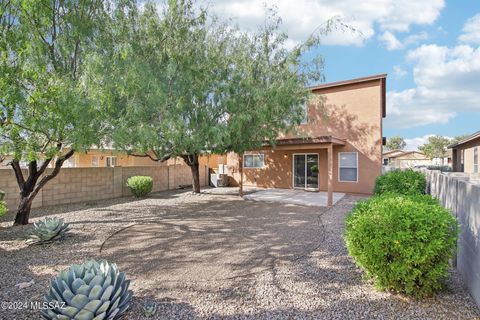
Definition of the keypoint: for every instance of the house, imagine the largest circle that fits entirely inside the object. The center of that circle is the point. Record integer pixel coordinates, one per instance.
(465, 154)
(338, 148)
(405, 159)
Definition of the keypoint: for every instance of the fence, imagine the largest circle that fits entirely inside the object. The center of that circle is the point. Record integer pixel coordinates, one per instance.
(90, 184)
(460, 193)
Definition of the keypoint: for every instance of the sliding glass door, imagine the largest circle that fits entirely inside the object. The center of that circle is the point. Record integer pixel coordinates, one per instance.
(305, 171)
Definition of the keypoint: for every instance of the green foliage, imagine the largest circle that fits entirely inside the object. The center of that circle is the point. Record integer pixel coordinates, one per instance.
(3, 208)
(436, 147)
(401, 182)
(441, 168)
(403, 243)
(92, 290)
(48, 230)
(140, 186)
(395, 143)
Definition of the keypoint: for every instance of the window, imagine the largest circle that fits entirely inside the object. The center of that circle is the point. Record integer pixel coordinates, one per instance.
(111, 161)
(348, 166)
(475, 160)
(305, 113)
(94, 161)
(253, 160)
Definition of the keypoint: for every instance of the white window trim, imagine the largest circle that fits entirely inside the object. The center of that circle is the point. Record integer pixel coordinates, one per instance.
(111, 160)
(476, 164)
(305, 110)
(253, 154)
(339, 158)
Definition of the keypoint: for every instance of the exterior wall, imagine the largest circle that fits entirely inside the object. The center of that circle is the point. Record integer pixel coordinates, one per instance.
(91, 184)
(410, 160)
(84, 160)
(467, 149)
(352, 112)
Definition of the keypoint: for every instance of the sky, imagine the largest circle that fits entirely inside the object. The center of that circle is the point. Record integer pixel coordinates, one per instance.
(430, 50)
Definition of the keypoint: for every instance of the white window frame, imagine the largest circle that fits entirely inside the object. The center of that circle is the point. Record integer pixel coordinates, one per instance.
(254, 154)
(339, 167)
(96, 162)
(475, 164)
(111, 162)
(305, 113)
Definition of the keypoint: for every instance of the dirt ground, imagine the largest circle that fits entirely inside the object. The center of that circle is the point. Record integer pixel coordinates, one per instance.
(213, 256)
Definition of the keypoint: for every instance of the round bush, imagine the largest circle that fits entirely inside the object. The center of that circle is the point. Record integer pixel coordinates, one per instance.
(140, 186)
(407, 182)
(403, 243)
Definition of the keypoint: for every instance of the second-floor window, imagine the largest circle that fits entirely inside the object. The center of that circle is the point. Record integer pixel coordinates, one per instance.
(94, 161)
(253, 160)
(111, 161)
(475, 160)
(305, 113)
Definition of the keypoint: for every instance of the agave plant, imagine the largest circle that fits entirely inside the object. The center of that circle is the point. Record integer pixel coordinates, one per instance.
(48, 230)
(92, 290)
(149, 308)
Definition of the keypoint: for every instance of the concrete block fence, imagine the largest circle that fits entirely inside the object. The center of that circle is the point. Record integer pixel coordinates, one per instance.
(460, 192)
(89, 184)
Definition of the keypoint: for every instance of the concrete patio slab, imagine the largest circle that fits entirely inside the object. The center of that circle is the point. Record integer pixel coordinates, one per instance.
(294, 196)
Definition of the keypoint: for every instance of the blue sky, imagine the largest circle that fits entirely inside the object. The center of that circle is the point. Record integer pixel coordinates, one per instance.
(429, 48)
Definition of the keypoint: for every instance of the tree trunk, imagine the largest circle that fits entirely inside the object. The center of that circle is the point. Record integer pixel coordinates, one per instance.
(240, 169)
(29, 188)
(192, 161)
(23, 210)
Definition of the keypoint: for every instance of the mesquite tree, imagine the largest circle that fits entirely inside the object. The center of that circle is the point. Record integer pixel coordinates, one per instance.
(45, 114)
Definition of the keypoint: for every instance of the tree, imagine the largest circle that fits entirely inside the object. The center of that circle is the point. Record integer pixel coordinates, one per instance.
(396, 143)
(45, 115)
(436, 147)
(458, 138)
(191, 85)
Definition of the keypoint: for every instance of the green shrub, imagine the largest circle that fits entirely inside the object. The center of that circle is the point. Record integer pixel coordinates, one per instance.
(441, 168)
(3, 204)
(3, 208)
(403, 243)
(407, 182)
(140, 186)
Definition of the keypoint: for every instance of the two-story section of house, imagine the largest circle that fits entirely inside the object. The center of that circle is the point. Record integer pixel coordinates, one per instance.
(338, 147)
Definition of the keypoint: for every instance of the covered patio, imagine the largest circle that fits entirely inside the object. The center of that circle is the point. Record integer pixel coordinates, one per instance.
(295, 196)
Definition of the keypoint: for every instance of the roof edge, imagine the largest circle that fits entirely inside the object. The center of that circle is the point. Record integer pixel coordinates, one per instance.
(347, 82)
(467, 139)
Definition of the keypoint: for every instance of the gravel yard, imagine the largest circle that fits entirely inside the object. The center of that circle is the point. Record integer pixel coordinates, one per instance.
(217, 256)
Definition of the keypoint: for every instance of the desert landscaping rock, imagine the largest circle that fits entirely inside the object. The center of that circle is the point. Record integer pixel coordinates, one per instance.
(217, 256)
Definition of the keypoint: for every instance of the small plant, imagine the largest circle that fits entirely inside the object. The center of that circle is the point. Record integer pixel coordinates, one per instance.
(314, 169)
(149, 309)
(403, 243)
(92, 290)
(407, 182)
(3, 205)
(48, 230)
(140, 186)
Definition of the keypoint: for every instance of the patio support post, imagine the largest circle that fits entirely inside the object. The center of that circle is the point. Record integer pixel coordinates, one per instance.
(330, 175)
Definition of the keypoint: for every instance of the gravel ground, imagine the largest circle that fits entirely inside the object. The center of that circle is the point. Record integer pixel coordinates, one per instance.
(217, 256)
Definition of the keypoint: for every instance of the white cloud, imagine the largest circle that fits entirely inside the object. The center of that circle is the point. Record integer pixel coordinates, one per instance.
(471, 30)
(391, 42)
(302, 17)
(399, 72)
(414, 143)
(446, 82)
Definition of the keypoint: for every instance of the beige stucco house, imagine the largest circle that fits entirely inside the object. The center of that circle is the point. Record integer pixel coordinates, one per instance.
(338, 148)
(465, 154)
(405, 159)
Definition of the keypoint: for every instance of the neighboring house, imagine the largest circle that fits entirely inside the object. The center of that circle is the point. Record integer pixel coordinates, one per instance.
(107, 157)
(337, 149)
(445, 161)
(465, 154)
(407, 159)
(388, 156)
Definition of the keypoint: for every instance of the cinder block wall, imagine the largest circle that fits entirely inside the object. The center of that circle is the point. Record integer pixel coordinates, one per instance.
(460, 193)
(89, 184)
